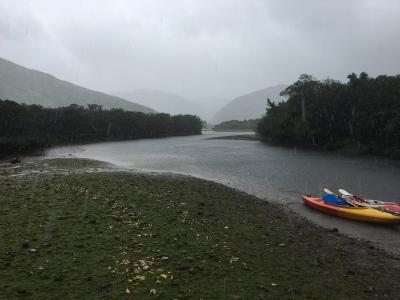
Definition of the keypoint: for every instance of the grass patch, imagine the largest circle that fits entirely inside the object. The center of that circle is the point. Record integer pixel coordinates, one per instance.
(73, 163)
(123, 235)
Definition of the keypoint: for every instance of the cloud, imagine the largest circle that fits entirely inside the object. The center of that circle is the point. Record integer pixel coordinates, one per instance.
(219, 48)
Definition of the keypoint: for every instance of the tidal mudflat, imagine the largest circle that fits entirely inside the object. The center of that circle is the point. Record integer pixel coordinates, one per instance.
(75, 228)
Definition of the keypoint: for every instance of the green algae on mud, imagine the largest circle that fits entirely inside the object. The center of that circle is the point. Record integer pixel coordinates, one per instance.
(113, 235)
(74, 163)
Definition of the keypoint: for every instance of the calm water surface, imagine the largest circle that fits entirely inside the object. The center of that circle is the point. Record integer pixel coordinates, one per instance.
(277, 174)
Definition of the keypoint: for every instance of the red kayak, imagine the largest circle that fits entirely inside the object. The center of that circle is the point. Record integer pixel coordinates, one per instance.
(390, 207)
(358, 213)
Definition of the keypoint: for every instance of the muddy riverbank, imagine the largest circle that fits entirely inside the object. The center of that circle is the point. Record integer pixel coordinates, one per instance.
(276, 174)
(79, 228)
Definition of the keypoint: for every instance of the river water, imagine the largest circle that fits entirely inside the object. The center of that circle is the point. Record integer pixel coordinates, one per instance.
(276, 174)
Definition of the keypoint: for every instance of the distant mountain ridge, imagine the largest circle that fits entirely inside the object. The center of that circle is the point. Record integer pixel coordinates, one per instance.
(249, 106)
(163, 101)
(28, 86)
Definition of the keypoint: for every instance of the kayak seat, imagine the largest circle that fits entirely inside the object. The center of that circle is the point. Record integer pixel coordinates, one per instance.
(332, 199)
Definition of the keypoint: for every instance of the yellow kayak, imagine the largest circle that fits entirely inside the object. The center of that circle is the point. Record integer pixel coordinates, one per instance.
(364, 214)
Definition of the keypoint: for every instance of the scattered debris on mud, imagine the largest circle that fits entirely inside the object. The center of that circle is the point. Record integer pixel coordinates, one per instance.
(72, 229)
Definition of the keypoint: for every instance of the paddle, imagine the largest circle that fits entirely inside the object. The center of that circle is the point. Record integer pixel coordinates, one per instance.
(382, 206)
(369, 201)
(344, 192)
(361, 202)
(328, 191)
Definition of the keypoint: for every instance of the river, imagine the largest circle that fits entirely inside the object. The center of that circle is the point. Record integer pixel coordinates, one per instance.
(276, 174)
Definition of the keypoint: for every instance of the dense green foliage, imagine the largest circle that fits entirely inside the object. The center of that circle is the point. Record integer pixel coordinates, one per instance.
(27, 127)
(235, 124)
(362, 113)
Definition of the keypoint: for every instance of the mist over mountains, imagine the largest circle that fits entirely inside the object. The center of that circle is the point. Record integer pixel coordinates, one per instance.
(249, 106)
(28, 86)
(163, 101)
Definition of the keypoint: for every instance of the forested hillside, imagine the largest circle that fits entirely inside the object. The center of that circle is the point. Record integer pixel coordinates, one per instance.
(28, 86)
(28, 127)
(363, 114)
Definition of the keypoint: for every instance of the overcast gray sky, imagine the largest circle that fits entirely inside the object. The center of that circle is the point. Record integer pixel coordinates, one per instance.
(200, 48)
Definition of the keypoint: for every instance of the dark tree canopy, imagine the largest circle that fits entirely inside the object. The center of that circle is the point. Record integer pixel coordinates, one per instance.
(364, 112)
(237, 125)
(26, 127)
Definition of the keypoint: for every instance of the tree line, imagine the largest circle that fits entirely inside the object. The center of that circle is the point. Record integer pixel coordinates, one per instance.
(250, 124)
(24, 128)
(362, 114)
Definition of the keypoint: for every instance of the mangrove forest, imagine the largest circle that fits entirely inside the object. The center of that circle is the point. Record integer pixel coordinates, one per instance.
(24, 128)
(362, 114)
